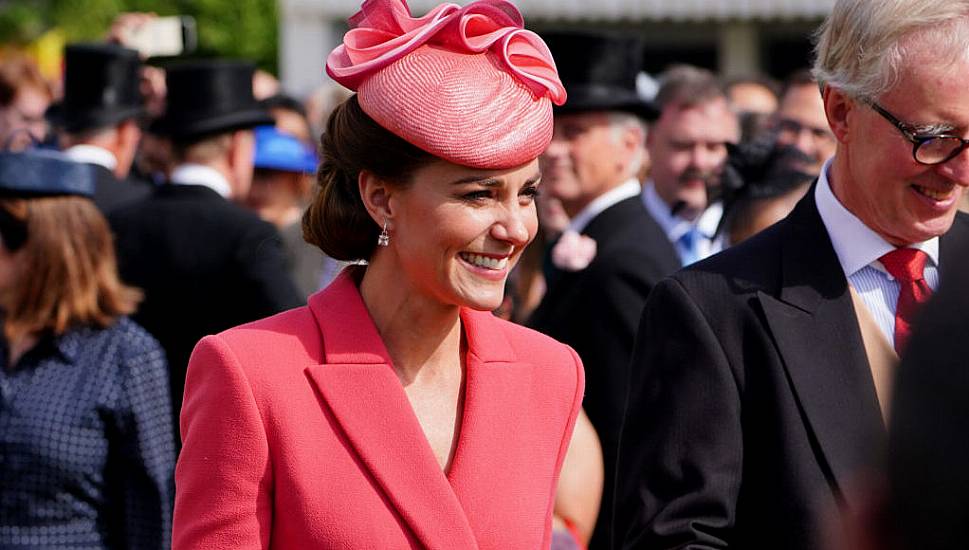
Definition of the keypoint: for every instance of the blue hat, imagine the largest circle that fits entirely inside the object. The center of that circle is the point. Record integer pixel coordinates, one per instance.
(36, 173)
(276, 150)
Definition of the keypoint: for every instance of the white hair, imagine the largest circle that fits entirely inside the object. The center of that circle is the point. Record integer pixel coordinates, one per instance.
(864, 45)
(621, 121)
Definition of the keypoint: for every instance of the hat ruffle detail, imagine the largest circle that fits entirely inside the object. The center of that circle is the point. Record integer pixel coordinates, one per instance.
(383, 31)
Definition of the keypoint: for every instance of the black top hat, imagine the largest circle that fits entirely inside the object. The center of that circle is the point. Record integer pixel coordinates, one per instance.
(599, 72)
(100, 87)
(210, 97)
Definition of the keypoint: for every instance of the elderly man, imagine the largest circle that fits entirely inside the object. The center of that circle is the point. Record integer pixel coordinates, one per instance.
(688, 149)
(593, 302)
(760, 377)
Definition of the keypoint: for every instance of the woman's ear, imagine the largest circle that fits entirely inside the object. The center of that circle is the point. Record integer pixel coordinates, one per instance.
(375, 194)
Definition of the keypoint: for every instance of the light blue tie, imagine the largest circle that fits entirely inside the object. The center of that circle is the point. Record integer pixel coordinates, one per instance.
(686, 245)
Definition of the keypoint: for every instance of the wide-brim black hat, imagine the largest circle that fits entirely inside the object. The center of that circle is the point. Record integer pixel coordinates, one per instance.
(210, 97)
(101, 88)
(599, 72)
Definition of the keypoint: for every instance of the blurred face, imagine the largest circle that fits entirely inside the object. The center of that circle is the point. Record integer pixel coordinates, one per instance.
(801, 123)
(25, 117)
(275, 196)
(750, 97)
(876, 177)
(456, 232)
(587, 157)
(688, 148)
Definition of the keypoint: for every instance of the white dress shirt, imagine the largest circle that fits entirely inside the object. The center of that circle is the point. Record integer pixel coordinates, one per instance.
(198, 174)
(611, 197)
(675, 226)
(858, 248)
(92, 154)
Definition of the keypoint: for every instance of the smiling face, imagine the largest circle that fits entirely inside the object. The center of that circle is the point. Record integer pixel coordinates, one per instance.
(688, 149)
(875, 176)
(456, 232)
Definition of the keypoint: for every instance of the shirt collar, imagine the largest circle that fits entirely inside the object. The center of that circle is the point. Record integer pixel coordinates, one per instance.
(613, 196)
(856, 244)
(198, 174)
(92, 154)
(675, 226)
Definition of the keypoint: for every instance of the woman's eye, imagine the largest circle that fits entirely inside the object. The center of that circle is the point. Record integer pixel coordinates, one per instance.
(528, 194)
(475, 196)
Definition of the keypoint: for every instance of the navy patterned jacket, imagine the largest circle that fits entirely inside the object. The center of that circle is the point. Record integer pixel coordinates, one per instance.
(86, 446)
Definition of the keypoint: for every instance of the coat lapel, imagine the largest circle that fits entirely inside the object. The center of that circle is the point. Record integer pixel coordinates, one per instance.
(499, 395)
(815, 328)
(359, 386)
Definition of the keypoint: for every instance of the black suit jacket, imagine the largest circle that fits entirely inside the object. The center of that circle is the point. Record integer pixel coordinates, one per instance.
(110, 193)
(752, 405)
(205, 265)
(596, 311)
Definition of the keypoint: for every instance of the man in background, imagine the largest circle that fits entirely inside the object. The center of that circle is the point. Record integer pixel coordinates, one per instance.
(205, 263)
(99, 118)
(594, 299)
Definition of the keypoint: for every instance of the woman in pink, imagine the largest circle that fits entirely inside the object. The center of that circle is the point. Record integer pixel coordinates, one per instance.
(394, 411)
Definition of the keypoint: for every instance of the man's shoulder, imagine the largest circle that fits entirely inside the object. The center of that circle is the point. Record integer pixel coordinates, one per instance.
(180, 202)
(751, 266)
(626, 235)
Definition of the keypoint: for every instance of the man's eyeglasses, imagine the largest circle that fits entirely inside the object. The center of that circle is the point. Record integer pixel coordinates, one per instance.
(927, 148)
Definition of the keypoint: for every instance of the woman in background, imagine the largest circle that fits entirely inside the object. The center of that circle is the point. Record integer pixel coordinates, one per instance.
(85, 420)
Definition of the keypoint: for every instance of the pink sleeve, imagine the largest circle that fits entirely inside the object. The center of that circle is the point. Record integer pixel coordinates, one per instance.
(223, 479)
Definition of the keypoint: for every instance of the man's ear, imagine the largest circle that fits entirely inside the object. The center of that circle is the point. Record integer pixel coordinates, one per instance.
(375, 194)
(837, 107)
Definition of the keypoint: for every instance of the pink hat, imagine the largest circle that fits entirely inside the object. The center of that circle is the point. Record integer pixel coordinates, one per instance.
(469, 85)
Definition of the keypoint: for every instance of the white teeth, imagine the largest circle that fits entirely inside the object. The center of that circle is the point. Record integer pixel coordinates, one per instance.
(934, 194)
(484, 261)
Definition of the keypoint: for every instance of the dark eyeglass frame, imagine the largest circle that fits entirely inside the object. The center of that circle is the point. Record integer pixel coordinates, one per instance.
(918, 140)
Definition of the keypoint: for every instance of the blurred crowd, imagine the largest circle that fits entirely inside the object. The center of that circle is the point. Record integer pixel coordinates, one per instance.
(201, 172)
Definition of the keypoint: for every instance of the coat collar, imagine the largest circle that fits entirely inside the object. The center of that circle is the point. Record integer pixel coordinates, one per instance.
(813, 322)
(360, 389)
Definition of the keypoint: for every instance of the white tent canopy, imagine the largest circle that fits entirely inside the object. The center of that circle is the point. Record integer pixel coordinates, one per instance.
(626, 10)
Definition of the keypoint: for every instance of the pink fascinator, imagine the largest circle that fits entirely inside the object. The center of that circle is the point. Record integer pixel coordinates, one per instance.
(467, 84)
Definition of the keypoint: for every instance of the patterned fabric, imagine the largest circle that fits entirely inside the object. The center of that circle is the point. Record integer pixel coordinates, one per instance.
(86, 445)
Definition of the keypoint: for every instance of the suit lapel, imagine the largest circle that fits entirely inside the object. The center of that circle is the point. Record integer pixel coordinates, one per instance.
(359, 386)
(952, 248)
(816, 331)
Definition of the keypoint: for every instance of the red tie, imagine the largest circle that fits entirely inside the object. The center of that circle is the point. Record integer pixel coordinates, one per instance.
(907, 265)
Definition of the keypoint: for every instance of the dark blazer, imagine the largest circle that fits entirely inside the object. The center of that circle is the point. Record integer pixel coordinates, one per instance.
(596, 311)
(110, 193)
(752, 405)
(205, 265)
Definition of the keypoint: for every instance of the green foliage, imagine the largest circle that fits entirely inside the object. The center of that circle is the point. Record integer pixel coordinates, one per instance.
(227, 28)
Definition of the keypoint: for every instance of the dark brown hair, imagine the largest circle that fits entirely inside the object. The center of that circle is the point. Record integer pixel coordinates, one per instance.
(336, 220)
(68, 276)
(687, 86)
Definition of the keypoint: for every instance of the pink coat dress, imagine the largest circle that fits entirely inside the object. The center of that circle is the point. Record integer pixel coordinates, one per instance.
(298, 434)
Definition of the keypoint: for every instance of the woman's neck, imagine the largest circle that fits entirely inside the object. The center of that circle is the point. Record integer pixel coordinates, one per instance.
(422, 336)
(19, 346)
